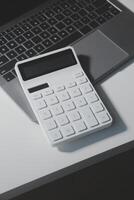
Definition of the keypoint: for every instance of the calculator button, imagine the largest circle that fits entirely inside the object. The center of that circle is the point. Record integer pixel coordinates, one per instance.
(40, 104)
(55, 135)
(37, 96)
(63, 96)
(48, 91)
(79, 74)
(62, 120)
(69, 105)
(71, 84)
(74, 116)
(75, 92)
(86, 88)
(80, 126)
(57, 110)
(50, 124)
(97, 107)
(45, 114)
(91, 97)
(89, 117)
(82, 80)
(103, 117)
(52, 100)
(67, 130)
(60, 88)
(80, 101)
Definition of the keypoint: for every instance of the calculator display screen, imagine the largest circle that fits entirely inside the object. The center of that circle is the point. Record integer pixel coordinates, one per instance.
(47, 64)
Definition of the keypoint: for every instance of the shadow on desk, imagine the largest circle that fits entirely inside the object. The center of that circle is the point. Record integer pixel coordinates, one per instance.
(118, 126)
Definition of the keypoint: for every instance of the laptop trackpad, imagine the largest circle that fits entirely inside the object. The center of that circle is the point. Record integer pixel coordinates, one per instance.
(99, 55)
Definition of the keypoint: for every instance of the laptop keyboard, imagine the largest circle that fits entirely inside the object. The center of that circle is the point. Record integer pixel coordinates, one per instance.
(59, 25)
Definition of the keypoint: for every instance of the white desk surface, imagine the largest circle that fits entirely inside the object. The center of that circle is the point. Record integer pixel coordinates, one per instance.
(26, 156)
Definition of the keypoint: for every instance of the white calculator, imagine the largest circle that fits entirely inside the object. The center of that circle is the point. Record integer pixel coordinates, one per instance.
(61, 96)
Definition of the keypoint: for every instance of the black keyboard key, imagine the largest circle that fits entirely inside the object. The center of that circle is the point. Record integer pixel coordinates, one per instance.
(20, 49)
(28, 35)
(52, 21)
(11, 54)
(44, 26)
(18, 31)
(45, 35)
(10, 36)
(101, 20)
(75, 8)
(60, 17)
(47, 43)
(49, 13)
(98, 3)
(68, 21)
(26, 26)
(3, 41)
(22, 57)
(3, 49)
(12, 44)
(103, 9)
(90, 8)
(55, 38)
(36, 30)
(92, 15)
(57, 9)
(9, 76)
(66, 41)
(63, 34)
(67, 12)
(52, 30)
(70, 29)
(20, 39)
(34, 22)
(64, 5)
(78, 24)
(83, 12)
(3, 60)
(41, 18)
(39, 48)
(94, 24)
(115, 11)
(75, 17)
(30, 53)
(85, 20)
(107, 15)
(28, 44)
(86, 29)
(7, 67)
(36, 39)
(60, 25)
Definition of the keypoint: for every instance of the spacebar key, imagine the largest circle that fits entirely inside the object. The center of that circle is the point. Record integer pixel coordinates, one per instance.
(7, 67)
(67, 41)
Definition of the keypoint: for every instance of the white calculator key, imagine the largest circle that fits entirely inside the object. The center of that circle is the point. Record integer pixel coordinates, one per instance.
(40, 104)
(50, 124)
(45, 114)
(52, 100)
(48, 91)
(80, 126)
(91, 97)
(57, 110)
(67, 130)
(55, 135)
(75, 92)
(103, 117)
(86, 88)
(71, 84)
(80, 101)
(74, 115)
(88, 116)
(60, 88)
(69, 105)
(62, 120)
(97, 107)
(82, 80)
(37, 96)
(79, 74)
(63, 96)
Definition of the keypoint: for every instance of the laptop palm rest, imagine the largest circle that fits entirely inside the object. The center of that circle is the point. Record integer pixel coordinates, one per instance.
(99, 55)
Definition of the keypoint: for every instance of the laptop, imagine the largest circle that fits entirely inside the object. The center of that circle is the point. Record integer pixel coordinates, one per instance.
(101, 31)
